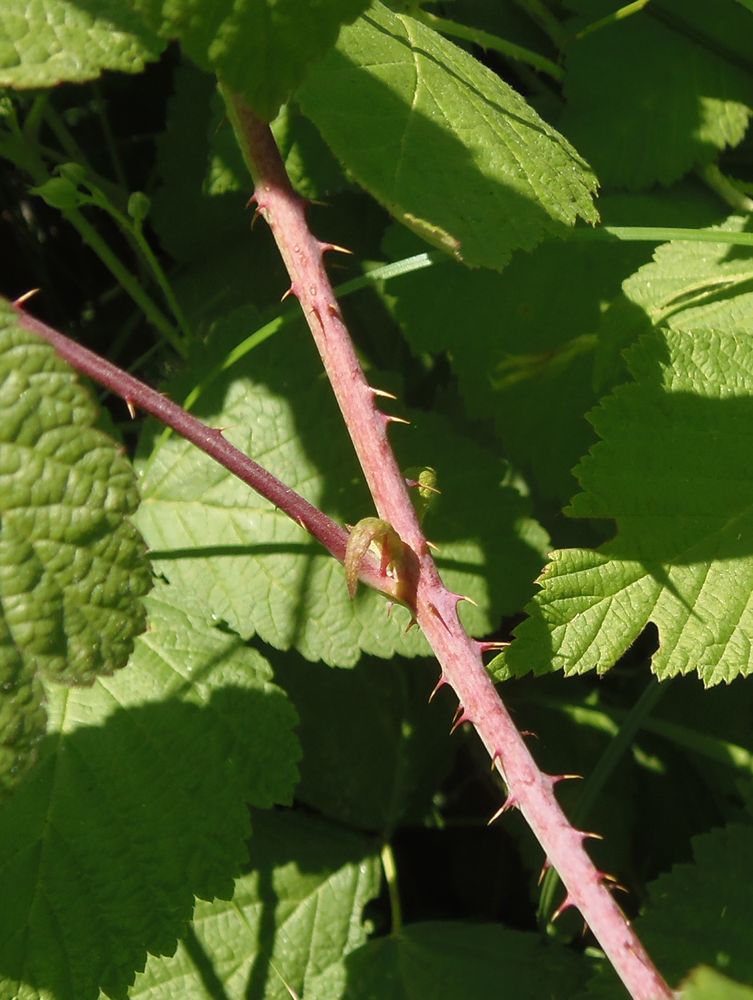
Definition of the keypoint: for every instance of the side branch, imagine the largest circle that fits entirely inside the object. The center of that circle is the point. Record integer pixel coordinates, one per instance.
(435, 608)
(137, 394)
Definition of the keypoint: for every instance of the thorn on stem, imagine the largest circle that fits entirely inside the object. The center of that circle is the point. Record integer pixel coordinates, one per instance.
(131, 408)
(390, 419)
(22, 299)
(612, 883)
(438, 614)
(325, 247)
(590, 835)
(508, 804)
(487, 647)
(544, 869)
(554, 779)
(438, 686)
(287, 294)
(566, 904)
(382, 392)
(460, 717)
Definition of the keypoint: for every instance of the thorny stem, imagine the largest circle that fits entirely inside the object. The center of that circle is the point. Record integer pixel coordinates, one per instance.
(435, 607)
(139, 395)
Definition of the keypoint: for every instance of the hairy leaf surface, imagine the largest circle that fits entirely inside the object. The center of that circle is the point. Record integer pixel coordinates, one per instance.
(447, 147)
(298, 911)
(72, 566)
(46, 42)
(137, 805)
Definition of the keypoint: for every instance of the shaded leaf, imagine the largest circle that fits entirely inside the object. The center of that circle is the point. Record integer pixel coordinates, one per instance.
(698, 914)
(669, 471)
(667, 100)
(446, 961)
(185, 158)
(137, 805)
(385, 770)
(685, 286)
(707, 984)
(522, 358)
(447, 147)
(262, 48)
(296, 912)
(72, 566)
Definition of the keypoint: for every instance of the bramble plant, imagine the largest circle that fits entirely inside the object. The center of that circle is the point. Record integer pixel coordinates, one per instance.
(225, 767)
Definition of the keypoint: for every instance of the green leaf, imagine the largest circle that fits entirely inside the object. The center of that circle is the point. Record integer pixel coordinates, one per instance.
(670, 471)
(261, 48)
(137, 805)
(59, 192)
(257, 570)
(72, 566)
(311, 167)
(666, 100)
(184, 156)
(298, 911)
(446, 961)
(698, 914)
(385, 770)
(50, 41)
(447, 147)
(522, 358)
(707, 984)
(685, 286)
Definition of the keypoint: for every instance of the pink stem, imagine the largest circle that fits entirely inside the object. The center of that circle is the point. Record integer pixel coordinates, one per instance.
(435, 607)
(210, 440)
